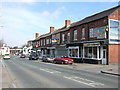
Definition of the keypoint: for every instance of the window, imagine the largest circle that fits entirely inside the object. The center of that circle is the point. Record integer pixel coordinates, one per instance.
(44, 41)
(83, 33)
(63, 37)
(73, 52)
(41, 42)
(68, 37)
(75, 34)
(50, 41)
(47, 41)
(90, 52)
(91, 32)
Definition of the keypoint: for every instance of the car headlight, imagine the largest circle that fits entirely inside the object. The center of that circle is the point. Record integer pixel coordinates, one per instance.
(66, 60)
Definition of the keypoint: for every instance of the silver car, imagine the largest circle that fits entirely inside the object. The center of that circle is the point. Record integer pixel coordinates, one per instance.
(47, 58)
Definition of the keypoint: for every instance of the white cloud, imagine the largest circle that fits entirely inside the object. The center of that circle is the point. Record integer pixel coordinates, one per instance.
(31, 1)
(20, 24)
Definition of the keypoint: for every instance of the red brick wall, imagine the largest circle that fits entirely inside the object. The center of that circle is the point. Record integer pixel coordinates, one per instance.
(114, 56)
(115, 15)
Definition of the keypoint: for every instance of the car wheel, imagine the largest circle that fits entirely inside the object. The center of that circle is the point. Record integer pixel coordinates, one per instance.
(54, 62)
(62, 62)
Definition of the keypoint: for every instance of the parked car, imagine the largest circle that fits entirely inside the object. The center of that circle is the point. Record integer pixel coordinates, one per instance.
(33, 57)
(47, 58)
(6, 56)
(40, 57)
(22, 56)
(63, 60)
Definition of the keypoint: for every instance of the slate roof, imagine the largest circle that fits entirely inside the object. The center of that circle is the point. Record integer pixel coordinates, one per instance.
(97, 16)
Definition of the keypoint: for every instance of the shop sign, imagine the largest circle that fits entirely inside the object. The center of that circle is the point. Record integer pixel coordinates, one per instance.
(50, 47)
(36, 46)
(91, 44)
(54, 40)
(114, 32)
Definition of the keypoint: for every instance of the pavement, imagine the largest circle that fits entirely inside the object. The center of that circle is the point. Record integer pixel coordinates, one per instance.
(99, 68)
(112, 68)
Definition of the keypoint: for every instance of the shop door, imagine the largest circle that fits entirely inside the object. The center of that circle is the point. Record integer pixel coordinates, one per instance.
(104, 60)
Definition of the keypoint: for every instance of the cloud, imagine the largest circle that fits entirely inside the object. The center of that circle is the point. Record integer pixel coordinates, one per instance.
(32, 1)
(20, 24)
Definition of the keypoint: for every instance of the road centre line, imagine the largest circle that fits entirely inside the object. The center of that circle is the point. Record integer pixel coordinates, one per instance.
(14, 85)
(3, 64)
(48, 70)
(92, 83)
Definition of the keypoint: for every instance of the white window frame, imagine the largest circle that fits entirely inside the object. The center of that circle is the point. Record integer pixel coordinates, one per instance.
(47, 41)
(74, 47)
(41, 42)
(44, 41)
(91, 32)
(75, 34)
(63, 37)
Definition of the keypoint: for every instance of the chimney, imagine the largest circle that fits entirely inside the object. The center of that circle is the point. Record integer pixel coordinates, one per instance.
(67, 23)
(36, 35)
(51, 29)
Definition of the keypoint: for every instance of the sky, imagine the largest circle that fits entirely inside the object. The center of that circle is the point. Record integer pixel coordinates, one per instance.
(20, 20)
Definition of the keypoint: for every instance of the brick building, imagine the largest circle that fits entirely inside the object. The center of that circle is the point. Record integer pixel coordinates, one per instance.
(95, 39)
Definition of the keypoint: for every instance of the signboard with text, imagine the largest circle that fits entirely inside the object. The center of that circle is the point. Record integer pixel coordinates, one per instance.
(91, 44)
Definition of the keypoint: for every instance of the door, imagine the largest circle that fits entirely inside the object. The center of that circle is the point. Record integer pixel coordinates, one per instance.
(104, 60)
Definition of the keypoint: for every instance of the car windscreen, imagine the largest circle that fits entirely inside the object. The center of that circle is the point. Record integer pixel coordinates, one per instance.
(49, 56)
(6, 54)
(64, 57)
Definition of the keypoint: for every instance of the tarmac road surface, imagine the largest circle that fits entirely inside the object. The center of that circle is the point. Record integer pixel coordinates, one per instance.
(24, 73)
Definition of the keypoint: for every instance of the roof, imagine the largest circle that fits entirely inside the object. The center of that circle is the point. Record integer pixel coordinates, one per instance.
(83, 21)
(30, 40)
(42, 36)
(97, 16)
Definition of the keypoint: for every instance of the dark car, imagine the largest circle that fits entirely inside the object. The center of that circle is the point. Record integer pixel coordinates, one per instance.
(22, 56)
(33, 57)
(63, 60)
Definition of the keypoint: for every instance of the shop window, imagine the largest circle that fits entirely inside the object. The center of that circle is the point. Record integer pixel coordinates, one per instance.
(90, 52)
(80, 52)
(94, 52)
(73, 52)
(86, 52)
(99, 52)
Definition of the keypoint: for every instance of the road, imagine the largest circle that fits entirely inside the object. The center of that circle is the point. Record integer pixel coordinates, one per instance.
(24, 73)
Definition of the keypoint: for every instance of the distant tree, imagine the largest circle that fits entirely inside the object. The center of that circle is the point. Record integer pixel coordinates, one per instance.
(1, 43)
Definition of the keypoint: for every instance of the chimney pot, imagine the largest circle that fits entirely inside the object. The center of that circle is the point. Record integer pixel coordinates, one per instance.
(51, 29)
(36, 35)
(67, 23)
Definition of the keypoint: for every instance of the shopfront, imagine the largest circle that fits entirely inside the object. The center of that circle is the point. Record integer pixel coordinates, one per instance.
(95, 53)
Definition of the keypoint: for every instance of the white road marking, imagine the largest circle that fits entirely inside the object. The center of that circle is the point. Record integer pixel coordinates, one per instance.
(84, 81)
(14, 85)
(49, 71)
(3, 64)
